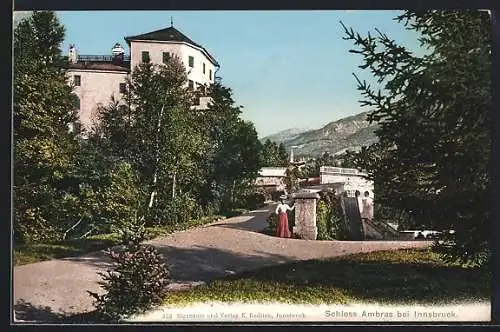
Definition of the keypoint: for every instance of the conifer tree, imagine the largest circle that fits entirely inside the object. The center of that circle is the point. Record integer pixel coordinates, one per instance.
(44, 147)
(433, 154)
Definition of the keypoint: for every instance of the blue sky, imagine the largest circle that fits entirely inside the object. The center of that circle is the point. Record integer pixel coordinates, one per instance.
(289, 69)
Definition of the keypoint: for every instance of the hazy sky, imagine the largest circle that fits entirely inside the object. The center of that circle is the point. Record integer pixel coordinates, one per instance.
(289, 69)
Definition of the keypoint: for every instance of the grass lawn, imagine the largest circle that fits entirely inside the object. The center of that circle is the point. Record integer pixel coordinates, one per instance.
(36, 252)
(407, 276)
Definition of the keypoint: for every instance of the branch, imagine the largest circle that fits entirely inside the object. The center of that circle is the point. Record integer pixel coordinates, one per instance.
(86, 234)
(72, 227)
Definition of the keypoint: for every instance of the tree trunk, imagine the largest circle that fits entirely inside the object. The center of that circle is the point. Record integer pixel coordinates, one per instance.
(153, 193)
(173, 185)
(155, 177)
(232, 192)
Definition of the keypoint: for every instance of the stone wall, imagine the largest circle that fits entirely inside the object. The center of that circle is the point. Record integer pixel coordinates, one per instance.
(305, 215)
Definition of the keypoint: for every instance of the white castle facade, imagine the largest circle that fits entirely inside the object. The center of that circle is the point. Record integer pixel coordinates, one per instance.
(350, 178)
(97, 79)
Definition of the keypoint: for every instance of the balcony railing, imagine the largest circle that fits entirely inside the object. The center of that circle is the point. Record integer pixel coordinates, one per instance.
(330, 169)
(100, 58)
(349, 171)
(339, 170)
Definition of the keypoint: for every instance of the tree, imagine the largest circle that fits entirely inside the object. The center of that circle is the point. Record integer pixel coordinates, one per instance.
(348, 158)
(292, 176)
(241, 163)
(230, 160)
(283, 155)
(155, 130)
(274, 155)
(44, 147)
(312, 168)
(433, 154)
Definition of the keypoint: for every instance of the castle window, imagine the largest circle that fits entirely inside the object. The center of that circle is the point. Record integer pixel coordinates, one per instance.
(123, 88)
(78, 80)
(191, 61)
(166, 57)
(203, 68)
(145, 56)
(191, 85)
(210, 74)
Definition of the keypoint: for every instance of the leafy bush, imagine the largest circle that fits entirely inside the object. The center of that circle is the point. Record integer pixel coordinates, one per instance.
(39, 213)
(322, 221)
(121, 198)
(255, 200)
(450, 253)
(138, 282)
(234, 212)
(211, 208)
(247, 196)
(171, 211)
(330, 218)
(272, 222)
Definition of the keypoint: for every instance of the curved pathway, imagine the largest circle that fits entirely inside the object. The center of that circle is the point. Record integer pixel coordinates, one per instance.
(51, 289)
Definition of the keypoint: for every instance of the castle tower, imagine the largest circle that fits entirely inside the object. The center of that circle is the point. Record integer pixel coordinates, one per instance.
(118, 52)
(72, 56)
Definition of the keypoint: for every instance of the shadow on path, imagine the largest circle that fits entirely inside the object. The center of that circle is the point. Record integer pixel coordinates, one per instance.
(185, 265)
(201, 263)
(25, 312)
(254, 221)
(98, 259)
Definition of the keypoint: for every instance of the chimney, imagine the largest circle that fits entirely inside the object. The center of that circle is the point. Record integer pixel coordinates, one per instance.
(72, 56)
(118, 53)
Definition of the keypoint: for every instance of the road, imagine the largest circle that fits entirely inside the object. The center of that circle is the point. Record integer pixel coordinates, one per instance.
(52, 289)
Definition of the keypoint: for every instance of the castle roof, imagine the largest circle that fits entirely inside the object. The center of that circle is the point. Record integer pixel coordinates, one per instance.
(169, 34)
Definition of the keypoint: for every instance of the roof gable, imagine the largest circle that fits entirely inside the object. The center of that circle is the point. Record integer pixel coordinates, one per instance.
(169, 34)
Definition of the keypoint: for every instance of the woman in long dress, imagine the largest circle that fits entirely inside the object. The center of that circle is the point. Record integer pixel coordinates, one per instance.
(367, 210)
(282, 229)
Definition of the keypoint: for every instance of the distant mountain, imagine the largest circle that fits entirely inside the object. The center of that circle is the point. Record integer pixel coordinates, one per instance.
(351, 133)
(285, 135)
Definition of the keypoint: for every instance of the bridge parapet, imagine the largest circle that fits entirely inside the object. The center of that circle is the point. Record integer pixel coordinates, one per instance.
(339, 170)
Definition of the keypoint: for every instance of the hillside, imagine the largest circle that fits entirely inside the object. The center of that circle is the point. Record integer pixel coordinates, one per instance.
(348, 133)
(285, 135)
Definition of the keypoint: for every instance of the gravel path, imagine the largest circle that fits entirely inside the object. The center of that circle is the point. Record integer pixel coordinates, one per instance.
(51, 289)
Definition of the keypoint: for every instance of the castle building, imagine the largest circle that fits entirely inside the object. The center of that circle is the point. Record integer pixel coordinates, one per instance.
(100, 78)
(351, 179)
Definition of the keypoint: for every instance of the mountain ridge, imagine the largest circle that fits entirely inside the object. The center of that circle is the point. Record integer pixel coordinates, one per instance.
(351, 132)
(284, 134)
